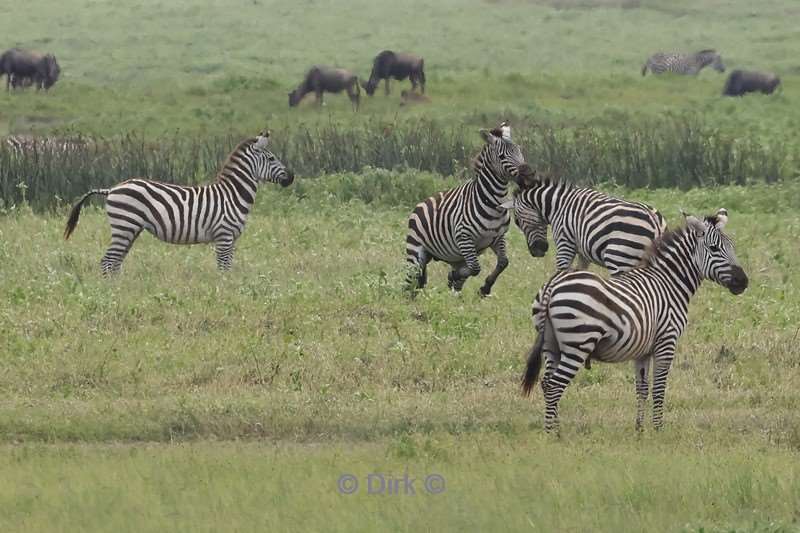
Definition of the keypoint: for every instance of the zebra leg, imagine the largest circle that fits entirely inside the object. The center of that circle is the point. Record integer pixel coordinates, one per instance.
(499, 249)
(224, 246)
(387, 86)
(662, 363)
(417, 270)
(571, 360)
(565, 254)
(453, 280)
(552, 355)
(121, 242)
(470, 267)
(642, 367)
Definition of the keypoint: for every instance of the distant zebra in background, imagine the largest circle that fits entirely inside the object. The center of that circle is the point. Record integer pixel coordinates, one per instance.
(27, 145)
(587, 224)
(636, 316)
(455, 226)
(688, 64)
(188, 215)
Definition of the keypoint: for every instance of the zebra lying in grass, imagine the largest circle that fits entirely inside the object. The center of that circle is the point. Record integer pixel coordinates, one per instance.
(589, 224)
(188, 215)
(455, 226)
(635, 316)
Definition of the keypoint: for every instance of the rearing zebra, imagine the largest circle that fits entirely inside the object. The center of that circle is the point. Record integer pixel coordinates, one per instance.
(455, 226)
(677, 63)
(589, 224)
(638, 315)
(188, 215)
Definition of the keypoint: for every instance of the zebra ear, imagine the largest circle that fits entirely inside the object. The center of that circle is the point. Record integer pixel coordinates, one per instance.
(486, 134)
(696, 226)
(722, 218)
(262, 140)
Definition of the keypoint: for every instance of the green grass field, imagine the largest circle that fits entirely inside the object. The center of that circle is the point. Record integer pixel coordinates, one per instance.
(176, 398)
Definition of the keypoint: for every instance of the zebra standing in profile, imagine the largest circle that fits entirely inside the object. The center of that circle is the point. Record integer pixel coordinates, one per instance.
(688, 64)
(188, 215)
(636, 316)
(455, 226)
(589, 224)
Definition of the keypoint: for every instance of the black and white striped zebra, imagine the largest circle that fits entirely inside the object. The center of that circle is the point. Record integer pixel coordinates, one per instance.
(636, 316)
(455, 226)
(687, 64)
(587, 224)
(188, 215)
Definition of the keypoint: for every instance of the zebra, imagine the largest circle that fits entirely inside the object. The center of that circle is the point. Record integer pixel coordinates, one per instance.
(455, 226)
(638, 315)
(688, 64)
(589, 224)
(188, 215)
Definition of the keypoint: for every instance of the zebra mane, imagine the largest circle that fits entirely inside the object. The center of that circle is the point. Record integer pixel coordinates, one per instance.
(707, 51)
(236, 150)
(660, 245)
(536, 182)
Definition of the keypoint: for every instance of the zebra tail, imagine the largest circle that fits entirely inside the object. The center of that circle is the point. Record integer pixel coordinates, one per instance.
(72, 221)
(534, 365)
(644, 68)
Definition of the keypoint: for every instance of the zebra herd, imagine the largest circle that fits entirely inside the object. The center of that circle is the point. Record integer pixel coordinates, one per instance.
(637, 314)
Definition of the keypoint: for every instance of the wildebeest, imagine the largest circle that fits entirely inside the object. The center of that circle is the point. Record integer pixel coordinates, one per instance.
(390, 64)
(321, 79)
(20, 65)
(413, 97)
(741, 82)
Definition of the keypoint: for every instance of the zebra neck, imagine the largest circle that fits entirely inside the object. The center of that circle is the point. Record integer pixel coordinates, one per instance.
(238, 180)
(551, 198)
(676, 260)
(492, 188)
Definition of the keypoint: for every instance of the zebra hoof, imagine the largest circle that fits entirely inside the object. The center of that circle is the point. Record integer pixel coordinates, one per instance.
(484, 291)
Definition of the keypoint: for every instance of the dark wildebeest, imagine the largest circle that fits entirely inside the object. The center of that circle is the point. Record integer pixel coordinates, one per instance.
(19, 65)
(389, 64)
(741, 82)
(321, 79)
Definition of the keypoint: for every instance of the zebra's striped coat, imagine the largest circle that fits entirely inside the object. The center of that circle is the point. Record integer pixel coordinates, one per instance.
(686, 64)
(587, 223)
(177, 214)
(455, 226)
(636, 316)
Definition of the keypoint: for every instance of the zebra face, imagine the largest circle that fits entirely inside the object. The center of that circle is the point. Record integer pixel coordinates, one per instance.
(715, 255)
(502, 154)
(532, 224)
(267, 167)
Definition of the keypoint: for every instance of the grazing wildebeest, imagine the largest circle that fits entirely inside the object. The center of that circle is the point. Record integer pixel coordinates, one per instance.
(389, 64)
(741, 82)
(321, 79)
(20, 65)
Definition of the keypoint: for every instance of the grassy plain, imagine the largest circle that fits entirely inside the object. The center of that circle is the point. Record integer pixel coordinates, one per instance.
(176, 398)
(309, 353)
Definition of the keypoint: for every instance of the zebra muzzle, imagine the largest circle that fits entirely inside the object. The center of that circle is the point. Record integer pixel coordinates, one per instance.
(738, 282)
(288, 180)
(538, 248)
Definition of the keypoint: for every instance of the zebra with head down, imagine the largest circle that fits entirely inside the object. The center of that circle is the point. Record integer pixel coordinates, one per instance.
(687, 64)
(587, 224)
